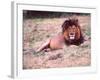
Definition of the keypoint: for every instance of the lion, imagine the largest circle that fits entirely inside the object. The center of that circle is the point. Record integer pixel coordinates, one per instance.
(71, 35)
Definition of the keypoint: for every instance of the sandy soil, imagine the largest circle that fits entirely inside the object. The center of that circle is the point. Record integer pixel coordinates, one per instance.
(37, 31)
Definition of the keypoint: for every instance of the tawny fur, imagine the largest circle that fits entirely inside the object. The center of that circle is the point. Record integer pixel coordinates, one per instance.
(69, 26)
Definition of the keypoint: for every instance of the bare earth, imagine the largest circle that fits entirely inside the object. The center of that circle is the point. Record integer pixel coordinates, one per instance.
(37, 31)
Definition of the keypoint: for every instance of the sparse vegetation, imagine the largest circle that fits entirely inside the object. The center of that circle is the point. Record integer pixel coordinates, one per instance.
(38, 30)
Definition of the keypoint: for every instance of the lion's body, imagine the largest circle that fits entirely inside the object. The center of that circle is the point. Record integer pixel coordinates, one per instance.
(71, 35)
(57, 42)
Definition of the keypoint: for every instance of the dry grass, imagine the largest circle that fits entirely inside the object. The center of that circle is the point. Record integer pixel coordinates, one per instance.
(37, 31)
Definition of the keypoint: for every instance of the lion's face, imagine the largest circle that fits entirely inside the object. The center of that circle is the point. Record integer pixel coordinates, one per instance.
(71, 31)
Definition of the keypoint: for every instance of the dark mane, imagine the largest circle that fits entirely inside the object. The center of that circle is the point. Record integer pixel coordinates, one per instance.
(68, 23)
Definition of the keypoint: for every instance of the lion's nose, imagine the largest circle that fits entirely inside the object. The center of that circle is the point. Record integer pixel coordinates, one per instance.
(71, 33)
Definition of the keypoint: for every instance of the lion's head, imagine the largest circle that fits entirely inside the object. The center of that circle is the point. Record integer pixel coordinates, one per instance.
(72, 31)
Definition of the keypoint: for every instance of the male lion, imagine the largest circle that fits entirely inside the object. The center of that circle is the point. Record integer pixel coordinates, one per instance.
(71, 35)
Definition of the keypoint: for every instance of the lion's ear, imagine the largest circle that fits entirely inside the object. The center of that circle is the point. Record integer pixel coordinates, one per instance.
(66, 22)
(76, 21)
(69, 18)
(64, 25)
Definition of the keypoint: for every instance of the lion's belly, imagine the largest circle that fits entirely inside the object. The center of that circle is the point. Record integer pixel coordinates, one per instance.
(57, 42)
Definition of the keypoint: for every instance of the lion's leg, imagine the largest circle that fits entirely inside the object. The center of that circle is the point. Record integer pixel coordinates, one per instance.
(44, 46)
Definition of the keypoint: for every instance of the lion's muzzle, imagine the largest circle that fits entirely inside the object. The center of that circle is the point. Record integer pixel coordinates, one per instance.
(72, 35)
